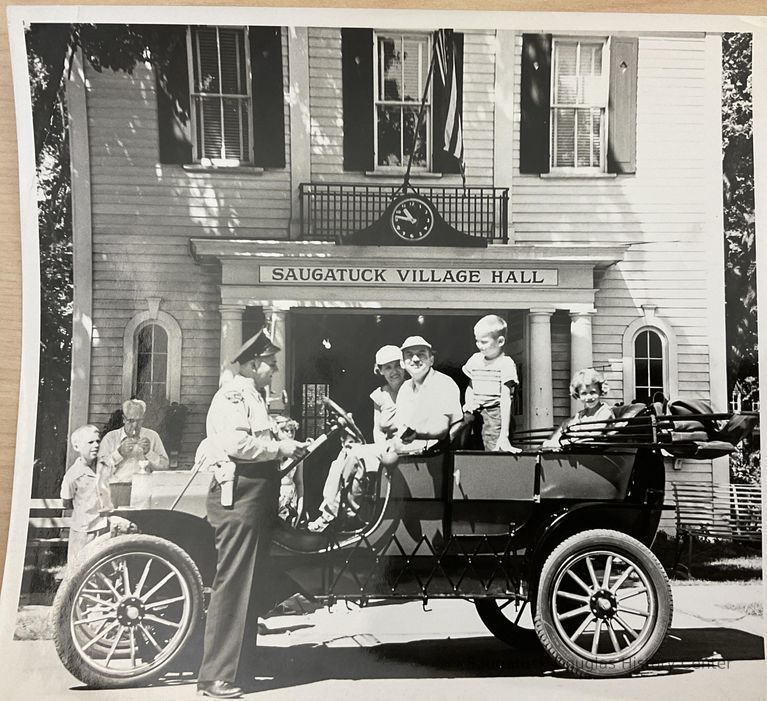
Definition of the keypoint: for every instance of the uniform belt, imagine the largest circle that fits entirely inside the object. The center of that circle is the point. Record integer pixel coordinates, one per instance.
(257, 469)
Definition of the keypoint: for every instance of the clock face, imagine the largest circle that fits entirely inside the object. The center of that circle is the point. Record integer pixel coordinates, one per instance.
(412, 219)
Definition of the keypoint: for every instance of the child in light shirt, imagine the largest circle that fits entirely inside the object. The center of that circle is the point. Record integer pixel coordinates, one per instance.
(493, 376)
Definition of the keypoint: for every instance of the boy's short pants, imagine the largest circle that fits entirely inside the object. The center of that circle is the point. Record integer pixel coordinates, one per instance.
(491, 426)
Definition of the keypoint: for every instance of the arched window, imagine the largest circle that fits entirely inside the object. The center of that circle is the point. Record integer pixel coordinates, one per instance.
(152, 358)
(649, 363)
(649, 358)
(151, 383)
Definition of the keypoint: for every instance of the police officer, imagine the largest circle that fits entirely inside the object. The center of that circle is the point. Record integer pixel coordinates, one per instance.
(238, 424)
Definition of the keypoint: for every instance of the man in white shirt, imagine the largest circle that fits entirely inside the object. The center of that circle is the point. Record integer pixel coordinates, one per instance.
(124, 448)
(429, 403)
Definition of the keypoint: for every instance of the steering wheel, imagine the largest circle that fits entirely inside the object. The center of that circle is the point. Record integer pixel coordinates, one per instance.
(344, 418)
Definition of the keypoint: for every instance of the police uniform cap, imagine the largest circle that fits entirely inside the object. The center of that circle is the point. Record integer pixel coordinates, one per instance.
(259, 346)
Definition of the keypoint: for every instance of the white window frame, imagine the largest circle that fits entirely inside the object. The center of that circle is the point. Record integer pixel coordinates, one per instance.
(196, 156)
(130, 352)
(576, 169)
(428, 112)
(650, 322)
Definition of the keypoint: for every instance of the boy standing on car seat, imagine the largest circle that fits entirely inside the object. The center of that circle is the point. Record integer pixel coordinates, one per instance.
(493, 376)
(78, 492)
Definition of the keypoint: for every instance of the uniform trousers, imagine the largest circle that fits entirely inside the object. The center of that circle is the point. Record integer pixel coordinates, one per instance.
(239, 596)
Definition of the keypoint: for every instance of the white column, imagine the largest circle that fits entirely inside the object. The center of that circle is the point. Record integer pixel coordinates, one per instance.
(300, 122)
(82, 252)
(231, 339)
(276, 392)
(581, 350)
(541, 395)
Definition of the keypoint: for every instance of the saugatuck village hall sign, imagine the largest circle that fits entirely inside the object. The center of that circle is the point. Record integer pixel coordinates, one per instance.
(408, 276)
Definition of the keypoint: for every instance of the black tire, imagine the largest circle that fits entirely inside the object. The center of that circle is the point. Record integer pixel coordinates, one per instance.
(581, 618)
(504, 621)
(125, 612)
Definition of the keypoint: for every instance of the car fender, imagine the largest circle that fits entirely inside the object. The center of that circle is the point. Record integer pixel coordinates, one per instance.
(635, 519)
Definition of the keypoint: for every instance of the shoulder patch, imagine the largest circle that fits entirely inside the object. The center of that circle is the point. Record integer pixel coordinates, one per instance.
(234, 397)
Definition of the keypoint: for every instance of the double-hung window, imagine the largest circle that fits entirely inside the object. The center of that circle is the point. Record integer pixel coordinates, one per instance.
(400, 74)
(649, 365)
(220, 92)
(579, 92)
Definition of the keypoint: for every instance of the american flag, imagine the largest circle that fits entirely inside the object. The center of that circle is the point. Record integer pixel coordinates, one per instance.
(452, 143)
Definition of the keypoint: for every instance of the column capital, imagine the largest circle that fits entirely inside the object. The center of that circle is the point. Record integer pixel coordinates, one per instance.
(578, 314)
(541, 312)
(232, 309)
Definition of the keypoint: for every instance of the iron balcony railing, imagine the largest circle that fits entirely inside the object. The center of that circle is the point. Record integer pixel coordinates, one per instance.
(332, 210)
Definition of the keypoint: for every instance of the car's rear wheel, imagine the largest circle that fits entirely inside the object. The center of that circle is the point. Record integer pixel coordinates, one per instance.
(508, 620)
(126, 611)
(604, 604)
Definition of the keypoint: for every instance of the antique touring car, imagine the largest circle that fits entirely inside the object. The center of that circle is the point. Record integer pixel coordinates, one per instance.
(563, 532)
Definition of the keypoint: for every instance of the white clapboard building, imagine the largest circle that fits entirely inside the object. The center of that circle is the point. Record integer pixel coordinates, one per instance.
(210, 192)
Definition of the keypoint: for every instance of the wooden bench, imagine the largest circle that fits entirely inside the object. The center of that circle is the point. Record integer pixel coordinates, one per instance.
(728, 512)
(47, 527)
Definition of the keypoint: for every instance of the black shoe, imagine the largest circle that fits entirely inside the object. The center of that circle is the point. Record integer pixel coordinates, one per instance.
(219, 690)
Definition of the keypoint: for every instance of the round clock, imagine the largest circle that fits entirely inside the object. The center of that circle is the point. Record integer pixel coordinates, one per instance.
(412, 218)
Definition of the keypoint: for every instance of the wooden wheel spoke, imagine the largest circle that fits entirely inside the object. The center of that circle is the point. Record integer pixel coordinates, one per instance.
(634, 635)
(142, 579)
(574, 597)
(85, 621)
(579, 581)
(112, 649)
(156, 587)
(111, 586)
(592, 574)
(608, 572)
(149, 637)
(639, 591)
(101, 635)
(575, 612)
(164, 602)
(636, 612)
(619, 583)
(133, 647)
(126, 578)
(582, 627)
(595, 641)
(156, 619)
(613, 638)
(100, 602)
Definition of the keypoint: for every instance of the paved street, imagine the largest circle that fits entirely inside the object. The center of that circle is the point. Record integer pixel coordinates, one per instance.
(399, 651)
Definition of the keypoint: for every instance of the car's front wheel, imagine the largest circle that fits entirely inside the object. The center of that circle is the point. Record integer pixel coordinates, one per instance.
(125, 612)
(604, 604)
(508, 620)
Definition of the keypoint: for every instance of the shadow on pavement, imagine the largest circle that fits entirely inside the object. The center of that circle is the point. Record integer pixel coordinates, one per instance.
(684, 650)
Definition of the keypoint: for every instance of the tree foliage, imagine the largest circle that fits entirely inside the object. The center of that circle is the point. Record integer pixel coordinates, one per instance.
(739, 223)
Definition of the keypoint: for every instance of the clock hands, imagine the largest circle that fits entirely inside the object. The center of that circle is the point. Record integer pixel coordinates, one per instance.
(405, 214)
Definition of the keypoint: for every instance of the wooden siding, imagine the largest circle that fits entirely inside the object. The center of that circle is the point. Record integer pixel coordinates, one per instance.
(325, 100)
(144, 213)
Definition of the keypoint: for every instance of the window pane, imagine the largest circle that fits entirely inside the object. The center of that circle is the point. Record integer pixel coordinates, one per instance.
(390, 81)
(389, 131)
(231, 42)
(564, 137)
(144, 344)
(566, 86)
(656, 347)
(207, 43)
(413, 68)
(160, 344)
(588, 124)
(642, 372)
(642, 394)
(591, 84)
(233, 146)
(211, 127)
(159, 368)
(656, 373)
(640, 345)
(411, 117)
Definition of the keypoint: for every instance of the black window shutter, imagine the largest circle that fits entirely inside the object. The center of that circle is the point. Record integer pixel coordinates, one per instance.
(173, 106)
(443, 162)
(622, 109)
(357, 82)
(535, 86)
(268, 97)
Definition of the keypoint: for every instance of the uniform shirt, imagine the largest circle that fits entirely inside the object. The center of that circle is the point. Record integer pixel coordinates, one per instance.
(79, 485)
(384, 417)
(238, 422)
(489, 376)
(109, 459)
(420, 407)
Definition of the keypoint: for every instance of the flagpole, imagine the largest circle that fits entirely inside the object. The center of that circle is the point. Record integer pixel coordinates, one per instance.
(406, 182)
